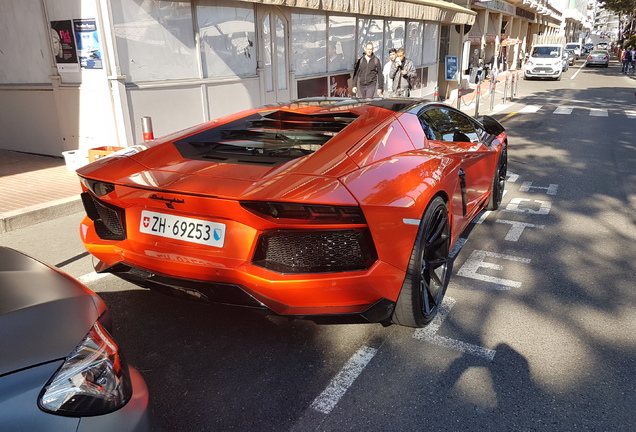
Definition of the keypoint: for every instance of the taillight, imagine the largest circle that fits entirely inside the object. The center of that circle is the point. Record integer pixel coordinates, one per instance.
(305, 213)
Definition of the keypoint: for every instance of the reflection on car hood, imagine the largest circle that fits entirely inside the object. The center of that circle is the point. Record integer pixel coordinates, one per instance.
(44, 314)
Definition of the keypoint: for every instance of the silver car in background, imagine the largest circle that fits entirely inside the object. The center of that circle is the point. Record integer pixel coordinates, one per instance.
(60, 369)
(598, 58)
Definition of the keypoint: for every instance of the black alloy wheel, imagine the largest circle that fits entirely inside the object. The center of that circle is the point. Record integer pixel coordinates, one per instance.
(499, 180)
(429, 270)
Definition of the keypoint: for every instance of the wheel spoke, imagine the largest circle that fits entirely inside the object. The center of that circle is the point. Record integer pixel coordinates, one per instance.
(437, 235)
(434, 261)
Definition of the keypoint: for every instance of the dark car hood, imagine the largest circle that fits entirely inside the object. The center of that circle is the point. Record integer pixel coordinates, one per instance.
(44, 314)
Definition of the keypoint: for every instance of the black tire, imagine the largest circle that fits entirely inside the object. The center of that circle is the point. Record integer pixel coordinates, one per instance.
(499, 181)
(428, 271)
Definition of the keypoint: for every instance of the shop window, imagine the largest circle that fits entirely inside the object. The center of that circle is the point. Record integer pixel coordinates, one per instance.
(342, 43)
(394, 37)
(371, 30)
(413, 44)
(155, 40)
(227, 39)
(309, 50)
(432, 36)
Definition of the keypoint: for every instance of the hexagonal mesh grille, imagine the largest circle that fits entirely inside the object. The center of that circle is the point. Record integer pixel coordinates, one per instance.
(315, 251)
(108, 225)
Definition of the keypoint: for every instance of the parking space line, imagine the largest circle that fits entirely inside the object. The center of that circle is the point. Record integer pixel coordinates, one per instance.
(530, 109)
(599, 112)
(429, 334)
(339, 385)
(92, 277)
(476, 260)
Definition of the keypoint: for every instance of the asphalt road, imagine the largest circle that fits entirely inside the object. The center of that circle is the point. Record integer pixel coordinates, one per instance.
(538, 331)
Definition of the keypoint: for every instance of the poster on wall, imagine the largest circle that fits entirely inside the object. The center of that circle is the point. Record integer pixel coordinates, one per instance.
(90, 55)
(450, 68)
(338, 85)
(63, 45)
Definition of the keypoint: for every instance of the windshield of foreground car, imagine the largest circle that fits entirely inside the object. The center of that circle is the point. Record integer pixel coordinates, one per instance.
(545, 52)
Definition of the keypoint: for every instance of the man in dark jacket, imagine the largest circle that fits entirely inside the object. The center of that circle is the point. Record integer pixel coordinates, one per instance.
(367, 75)
(402, 73)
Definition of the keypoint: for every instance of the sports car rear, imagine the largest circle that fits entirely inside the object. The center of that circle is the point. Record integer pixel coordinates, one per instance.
(309, 209)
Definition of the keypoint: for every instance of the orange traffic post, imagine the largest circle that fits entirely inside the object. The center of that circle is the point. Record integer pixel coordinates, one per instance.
(146, 128)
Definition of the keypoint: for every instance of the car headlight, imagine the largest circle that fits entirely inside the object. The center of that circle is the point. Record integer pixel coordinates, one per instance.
(93, 379)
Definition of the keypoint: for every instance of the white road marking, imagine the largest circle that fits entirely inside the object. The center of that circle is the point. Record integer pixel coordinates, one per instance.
(630, 114)
(563, 110)
(457, 247)
(598, 112)
(429, 334)
(500, 107)
(481, 217)
(338, 386)
(550, 190)
(516, 205)
(517, 228)
(92, 277)
(476, 261)
(530, 108)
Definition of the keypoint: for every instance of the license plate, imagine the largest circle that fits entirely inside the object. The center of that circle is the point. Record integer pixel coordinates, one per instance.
(182, 228)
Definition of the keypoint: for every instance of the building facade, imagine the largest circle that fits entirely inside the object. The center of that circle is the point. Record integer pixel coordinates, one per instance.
(79, 74)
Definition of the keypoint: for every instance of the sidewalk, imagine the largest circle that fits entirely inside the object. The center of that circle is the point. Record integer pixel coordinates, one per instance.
(469, 95)
(35, 189)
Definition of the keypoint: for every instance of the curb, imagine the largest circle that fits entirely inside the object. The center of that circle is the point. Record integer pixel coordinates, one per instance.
(25, 217)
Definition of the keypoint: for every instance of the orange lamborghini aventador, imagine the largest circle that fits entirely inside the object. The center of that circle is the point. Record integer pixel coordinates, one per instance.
(322, 208)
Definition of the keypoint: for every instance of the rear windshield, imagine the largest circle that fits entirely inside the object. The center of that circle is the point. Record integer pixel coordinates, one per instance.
(572, 46)
(546, 52)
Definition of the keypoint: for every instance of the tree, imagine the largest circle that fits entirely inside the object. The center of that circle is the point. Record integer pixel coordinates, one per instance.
(626, 10)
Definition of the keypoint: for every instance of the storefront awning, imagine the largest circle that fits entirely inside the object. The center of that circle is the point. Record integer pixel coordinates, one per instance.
(427, 10)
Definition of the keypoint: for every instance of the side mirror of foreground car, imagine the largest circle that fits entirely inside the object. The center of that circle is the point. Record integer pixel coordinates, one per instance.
(491, 125)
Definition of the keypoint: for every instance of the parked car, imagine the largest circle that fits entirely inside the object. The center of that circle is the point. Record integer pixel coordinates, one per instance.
(60, 368)
(598, 58)
(332, 209)
(545, 61)
(577, 47)
(570, 56)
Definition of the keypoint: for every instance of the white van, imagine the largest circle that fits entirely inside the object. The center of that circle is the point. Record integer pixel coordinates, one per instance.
(545, 61)
(577, 47)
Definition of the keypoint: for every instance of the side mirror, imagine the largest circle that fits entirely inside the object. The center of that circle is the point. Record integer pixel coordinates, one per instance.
(491, 125)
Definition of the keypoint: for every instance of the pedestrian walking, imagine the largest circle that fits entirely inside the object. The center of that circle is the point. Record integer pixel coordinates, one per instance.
(626, 60)
(402, 73)
(386, 72)
(367, 75)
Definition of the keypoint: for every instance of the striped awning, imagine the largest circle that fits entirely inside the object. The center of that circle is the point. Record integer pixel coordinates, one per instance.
(427, 10)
